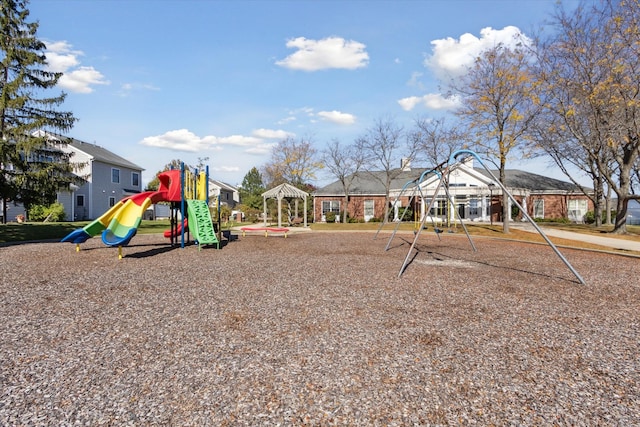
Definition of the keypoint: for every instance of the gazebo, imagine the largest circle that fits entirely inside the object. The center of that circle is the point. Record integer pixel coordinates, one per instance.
(280, 192)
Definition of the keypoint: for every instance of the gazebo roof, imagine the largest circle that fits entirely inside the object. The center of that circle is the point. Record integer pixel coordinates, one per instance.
(285, 190)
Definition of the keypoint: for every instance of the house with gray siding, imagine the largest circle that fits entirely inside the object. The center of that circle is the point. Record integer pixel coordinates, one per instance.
(229, 195)
(108, 179)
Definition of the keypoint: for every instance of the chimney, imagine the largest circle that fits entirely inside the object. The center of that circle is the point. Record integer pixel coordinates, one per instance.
(405, 164)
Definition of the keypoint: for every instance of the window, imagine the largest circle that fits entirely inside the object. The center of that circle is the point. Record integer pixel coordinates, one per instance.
(439, 207)
(330, 206)
(474, 207)
(80, 200)
(112, 201)
(135, 179)
(115, 176)
(577, 209)
(369, 208)
(538, 208)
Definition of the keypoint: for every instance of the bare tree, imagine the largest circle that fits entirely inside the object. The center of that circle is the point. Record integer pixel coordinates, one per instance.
(499, 105)
(383, 148)
(343, 162)
(436, 140)
(590, 72)
(293, 161)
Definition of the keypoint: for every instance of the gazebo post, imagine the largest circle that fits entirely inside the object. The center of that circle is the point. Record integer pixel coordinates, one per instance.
(305, 211)
(264, 212)
(279, 210)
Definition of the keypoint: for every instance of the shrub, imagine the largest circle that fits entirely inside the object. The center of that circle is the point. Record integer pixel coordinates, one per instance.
(330, 216)
(562, 220)
(406, 214)
(515, 211)
(52, 213)
(590, 217)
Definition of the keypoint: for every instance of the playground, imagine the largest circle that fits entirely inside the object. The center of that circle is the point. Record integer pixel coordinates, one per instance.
(186, 190)
(318, 329)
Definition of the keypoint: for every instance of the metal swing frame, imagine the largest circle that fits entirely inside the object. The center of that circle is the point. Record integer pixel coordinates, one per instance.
(452, 159)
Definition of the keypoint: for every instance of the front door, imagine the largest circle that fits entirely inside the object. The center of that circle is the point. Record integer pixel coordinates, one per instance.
(461, 210)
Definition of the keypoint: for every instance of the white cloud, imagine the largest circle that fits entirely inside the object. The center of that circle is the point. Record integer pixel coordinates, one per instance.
(239, 140)
(187, 141)
(432, 101)
(225, 168)
(127, 88)
(337, 117)
(271, 133)
(260, 150)
(81, 80)
(293, 115)
(286, 120)
(180, 140)
(410, 102)
(330, 52)
(451, 57)
(61, 58)
(414, 81)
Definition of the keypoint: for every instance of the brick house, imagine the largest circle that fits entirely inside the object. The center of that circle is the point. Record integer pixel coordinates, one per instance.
(473, 194)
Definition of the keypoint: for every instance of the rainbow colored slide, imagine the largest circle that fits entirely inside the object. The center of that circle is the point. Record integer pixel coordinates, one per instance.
(120, 223)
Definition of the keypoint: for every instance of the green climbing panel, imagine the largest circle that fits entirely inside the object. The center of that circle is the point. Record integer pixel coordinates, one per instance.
(200, 224)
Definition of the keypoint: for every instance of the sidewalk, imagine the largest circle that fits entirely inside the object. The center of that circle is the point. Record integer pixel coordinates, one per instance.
(610, 242)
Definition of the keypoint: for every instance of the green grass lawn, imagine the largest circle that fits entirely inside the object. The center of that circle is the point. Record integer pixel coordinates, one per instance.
(30, 231)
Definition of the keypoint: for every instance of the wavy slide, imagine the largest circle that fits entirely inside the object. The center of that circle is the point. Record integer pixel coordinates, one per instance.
(120, 223)
(184, 224)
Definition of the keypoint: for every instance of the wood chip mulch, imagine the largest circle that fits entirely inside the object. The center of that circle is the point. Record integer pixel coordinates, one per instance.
(318, 329)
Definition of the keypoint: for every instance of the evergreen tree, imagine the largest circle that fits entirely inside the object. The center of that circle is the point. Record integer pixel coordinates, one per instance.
(251, 189)
(32, 165)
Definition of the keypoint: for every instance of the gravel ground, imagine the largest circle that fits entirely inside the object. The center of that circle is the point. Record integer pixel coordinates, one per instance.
(317, 329)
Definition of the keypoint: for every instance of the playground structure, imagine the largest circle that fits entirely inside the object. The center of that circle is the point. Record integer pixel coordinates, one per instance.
(443, 175)
(186, 190)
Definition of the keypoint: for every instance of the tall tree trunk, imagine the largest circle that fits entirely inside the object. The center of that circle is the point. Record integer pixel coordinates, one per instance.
(346, 207)
(597, 201)
(621, 216)
(608, 205)
(623, 192)
(506, 212)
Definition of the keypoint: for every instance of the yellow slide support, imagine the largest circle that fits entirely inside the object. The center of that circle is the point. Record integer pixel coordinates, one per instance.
(202, 186)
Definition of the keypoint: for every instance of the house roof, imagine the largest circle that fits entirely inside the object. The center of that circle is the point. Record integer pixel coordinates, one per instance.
(372, 183)
(520, 179)
(285, 190)
(102, 154)
(223, 185)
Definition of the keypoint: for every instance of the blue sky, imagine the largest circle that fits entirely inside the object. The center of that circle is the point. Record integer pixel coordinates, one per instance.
(156, 80)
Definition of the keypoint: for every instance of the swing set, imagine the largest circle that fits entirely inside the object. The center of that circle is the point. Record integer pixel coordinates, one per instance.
(442, 171)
